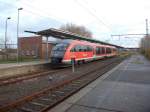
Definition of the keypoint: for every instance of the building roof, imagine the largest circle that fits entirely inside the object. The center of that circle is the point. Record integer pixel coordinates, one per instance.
(61, 34)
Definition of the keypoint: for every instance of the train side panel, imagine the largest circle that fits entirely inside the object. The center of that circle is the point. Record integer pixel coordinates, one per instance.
(74, 51)
(83, 51)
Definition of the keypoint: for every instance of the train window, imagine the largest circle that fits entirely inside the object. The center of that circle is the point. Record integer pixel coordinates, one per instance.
(81, 48)
(114, 50)
(98, 50)
(84, 48)
(76, 48)
(108, 50)
(89, 48)
(73, 49)
(60, 47)
(103, 50)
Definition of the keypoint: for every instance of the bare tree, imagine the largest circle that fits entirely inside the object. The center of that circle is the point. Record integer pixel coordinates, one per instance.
(81, 30)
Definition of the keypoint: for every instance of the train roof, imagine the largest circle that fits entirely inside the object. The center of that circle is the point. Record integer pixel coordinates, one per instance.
(85, 43)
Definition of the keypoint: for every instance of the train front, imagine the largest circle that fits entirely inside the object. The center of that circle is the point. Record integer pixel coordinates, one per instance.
(58, 53)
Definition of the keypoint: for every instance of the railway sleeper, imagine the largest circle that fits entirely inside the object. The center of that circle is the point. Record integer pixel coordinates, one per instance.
(81, 81)
(15, 110)
(46, 101)
(53, 95)
(72, 87)
(58, 95)
(77, 82)
(74, 84)
(50, 96)
(24, 109)
(59, 92)
(38, 104)
(29, 107)
(66, 90)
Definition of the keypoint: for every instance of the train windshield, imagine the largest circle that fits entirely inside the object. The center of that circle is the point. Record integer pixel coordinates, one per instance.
(59, 50)
(60, 47)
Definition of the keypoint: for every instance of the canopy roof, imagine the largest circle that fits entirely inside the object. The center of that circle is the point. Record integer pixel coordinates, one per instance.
(61, 34)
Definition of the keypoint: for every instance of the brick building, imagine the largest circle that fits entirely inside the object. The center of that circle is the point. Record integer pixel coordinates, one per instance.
(34, 47)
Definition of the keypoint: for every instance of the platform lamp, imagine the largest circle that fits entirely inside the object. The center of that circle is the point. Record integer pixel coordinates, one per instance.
(6, 33)
(18, 34)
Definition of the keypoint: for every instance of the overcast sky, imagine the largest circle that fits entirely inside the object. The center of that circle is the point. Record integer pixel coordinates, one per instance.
(102, 17)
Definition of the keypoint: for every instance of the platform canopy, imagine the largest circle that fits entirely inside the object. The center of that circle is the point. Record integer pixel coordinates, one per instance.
(61, 34)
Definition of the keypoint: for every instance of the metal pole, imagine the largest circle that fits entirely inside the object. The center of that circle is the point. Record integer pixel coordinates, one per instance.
(47, 49)
(6, 34)
(73, 64)
(146, 27)
(18, 35)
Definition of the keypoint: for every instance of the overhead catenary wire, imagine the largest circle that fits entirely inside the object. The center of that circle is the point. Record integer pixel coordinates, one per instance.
(38, 11)
(40, 15)
(35, 11)
(92, 14)
(46, 15)
(94, 11)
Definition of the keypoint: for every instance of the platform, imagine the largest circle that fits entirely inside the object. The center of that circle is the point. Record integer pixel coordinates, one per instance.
(13, 69)
(9, 65)
(126, 88)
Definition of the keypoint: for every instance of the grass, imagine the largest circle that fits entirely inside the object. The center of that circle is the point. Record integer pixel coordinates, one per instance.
(137, 62)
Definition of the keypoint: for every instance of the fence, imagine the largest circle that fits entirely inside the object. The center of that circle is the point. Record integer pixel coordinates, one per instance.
(26, 52)
(9, 53)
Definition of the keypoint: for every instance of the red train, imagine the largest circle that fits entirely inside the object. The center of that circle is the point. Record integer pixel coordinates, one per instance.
(80, 51)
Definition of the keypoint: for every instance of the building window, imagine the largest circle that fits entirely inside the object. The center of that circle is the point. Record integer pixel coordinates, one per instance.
(27, 52)
(33, 53)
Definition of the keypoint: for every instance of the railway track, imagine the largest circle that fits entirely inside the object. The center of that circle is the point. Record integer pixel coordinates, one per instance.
(11, 80)
(48, 97)
(16, 79)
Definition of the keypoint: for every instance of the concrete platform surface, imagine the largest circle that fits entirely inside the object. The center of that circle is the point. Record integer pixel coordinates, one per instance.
(126, 88)
(15, 69)
(9, 65)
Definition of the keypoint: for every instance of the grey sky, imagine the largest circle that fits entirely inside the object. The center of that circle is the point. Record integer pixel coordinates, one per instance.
(102, 17)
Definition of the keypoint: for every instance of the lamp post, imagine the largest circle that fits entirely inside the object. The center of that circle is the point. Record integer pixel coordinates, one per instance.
(18, 34)
(6, 34)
